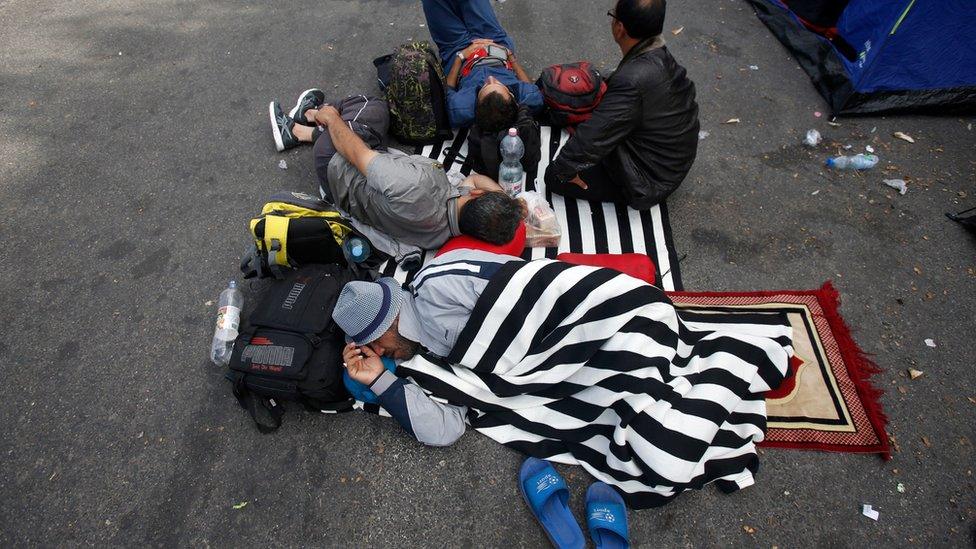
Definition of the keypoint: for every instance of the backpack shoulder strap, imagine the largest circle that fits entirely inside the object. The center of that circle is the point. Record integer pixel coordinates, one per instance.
(490, 154)
(250, 402)
(330, 407)
(276, 239)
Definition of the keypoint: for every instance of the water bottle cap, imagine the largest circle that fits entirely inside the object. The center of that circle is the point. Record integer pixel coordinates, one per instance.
(512, 132)
(830, 162)
(233, 284)
(357, 250)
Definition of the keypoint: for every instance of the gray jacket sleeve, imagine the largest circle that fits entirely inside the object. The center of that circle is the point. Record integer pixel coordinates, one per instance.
(431, 422)
(402, 253)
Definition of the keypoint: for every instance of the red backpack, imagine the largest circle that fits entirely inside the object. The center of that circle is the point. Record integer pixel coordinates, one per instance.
(571, 92)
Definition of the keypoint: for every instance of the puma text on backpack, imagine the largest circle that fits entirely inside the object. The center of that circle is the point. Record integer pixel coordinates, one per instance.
(290, 349)
(571, 92)
(414, 82)
(296, 229)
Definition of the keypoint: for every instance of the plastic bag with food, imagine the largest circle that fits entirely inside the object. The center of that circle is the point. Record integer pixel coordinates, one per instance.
(542, 227)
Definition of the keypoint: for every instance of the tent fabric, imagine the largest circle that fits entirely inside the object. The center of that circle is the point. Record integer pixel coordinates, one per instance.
(818, 14)
(883, 55)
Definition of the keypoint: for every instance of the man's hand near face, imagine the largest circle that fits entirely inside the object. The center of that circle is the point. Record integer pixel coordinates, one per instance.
(362, 363)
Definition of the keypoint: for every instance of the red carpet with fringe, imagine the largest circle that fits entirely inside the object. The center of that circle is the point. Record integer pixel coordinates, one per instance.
(828, 403)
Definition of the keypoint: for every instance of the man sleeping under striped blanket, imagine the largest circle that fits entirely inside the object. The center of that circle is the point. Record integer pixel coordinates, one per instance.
(574, 364)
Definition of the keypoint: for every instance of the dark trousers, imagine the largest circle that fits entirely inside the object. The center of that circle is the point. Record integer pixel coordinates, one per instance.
(367, 116)
(600, 187)
(454, 24)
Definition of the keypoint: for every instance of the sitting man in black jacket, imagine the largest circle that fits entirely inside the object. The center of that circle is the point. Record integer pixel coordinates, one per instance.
(643, 137)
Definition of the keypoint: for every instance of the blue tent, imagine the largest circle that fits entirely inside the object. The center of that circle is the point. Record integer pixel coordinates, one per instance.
(869, 56)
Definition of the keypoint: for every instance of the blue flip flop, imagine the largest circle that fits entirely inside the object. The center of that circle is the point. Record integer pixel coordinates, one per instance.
(548, 497)
(606, 517)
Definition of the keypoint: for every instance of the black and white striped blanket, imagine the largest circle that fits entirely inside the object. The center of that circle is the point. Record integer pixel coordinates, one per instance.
(588, 227)
(588, 366)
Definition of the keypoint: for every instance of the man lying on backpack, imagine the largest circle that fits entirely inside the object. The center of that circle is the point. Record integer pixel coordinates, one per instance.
(485, 82)
(406, 197)
(383, 320)
(642, 139)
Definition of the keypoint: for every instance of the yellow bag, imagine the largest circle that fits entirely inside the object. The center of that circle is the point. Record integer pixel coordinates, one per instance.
(295, 229)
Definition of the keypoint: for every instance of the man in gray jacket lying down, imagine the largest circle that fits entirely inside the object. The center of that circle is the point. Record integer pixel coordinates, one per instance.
(383, 320)
(408, 199)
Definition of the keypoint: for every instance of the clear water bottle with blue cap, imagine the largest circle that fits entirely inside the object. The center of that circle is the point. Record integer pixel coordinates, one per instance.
(857, 162)
(228, 322)
(356, 249)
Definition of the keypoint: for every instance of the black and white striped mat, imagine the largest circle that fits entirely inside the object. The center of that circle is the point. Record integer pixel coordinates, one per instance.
(588, 227)
(590, 367)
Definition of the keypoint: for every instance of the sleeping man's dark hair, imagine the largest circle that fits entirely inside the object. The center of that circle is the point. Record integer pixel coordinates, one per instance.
(493, 217)
(642, 18)
(496, 112)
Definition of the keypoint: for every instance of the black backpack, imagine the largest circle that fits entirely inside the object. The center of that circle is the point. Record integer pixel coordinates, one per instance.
(483, 147)
(289, 348)
(296, 229)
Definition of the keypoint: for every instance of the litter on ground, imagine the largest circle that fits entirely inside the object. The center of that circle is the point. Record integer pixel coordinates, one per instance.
(813, 138)
(897, 184)
(904, 137)
(869, 512)
(856, 162)
(930, 342)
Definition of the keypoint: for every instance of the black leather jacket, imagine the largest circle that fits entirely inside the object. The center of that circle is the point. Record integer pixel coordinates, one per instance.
(645, 131)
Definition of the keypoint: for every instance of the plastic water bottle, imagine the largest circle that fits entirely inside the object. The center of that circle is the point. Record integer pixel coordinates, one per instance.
(228, 321)
(857, 162)
(510, 174)
(356, 249)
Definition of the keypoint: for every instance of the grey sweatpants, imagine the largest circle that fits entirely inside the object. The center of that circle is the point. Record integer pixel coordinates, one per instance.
(367, 116)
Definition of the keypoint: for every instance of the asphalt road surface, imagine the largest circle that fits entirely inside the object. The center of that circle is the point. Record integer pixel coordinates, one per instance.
(134, 145)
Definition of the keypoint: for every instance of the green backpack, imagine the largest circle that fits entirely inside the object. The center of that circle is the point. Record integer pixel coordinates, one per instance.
(414, 83)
